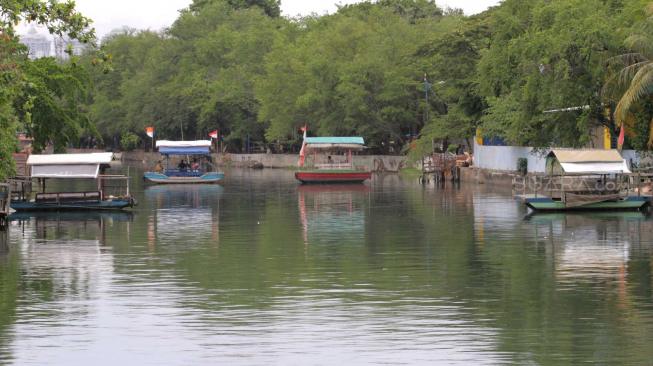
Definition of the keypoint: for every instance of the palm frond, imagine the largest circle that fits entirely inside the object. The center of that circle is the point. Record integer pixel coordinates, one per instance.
(626, 59)
(640, 85)
(628, 73)
(642, 43)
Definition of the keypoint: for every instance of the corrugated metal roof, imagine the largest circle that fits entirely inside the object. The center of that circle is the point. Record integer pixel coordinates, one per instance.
(335, 140)
(587, 156)
(70, 159)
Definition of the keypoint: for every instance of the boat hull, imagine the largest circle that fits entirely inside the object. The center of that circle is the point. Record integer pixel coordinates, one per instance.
(116, 204)
(322, 177)
(208, 178)
(628, 203)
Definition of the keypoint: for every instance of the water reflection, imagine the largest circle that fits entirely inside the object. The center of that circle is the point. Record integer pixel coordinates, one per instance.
(264, 271)
(188, 212)
(334, 213)
(590, 245)
(59, 265)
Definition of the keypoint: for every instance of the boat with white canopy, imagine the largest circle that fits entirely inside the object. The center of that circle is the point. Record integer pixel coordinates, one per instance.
(585, 180)
(196, 171)
(112, 191)
(331, 160)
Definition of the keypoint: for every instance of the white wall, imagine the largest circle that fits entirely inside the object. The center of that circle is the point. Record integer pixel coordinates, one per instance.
(505, 157)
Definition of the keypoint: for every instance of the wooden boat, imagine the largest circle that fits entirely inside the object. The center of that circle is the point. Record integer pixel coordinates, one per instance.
(331, 160)
(184, 174)
(112, 190)
(586, 180)
(624, 203)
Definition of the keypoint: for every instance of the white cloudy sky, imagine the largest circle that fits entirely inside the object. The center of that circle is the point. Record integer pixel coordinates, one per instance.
(157, 14)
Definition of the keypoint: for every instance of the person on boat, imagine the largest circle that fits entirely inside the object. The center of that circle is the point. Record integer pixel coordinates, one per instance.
(158, 167)
(329, 160)
(182, 165)
(195, 165)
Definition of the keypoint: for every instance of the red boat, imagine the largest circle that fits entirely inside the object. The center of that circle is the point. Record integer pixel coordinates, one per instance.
(331, 160)
(345, 176)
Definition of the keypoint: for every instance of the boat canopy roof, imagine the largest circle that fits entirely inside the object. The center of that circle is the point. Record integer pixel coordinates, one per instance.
(590, 161)
(198, 147)
(68, 165)
(333, 142)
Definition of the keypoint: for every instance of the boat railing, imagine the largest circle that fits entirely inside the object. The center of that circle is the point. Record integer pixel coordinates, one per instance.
(184, 172)
(61, 197)
(334, 166)
(113, 186)
(21, 188)
(557, 185)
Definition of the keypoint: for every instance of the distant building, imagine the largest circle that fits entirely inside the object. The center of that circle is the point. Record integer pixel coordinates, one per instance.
(37, 44)
(62, 44)
(44, 45)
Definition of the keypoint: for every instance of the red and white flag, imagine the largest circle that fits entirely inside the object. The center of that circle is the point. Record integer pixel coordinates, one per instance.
(149, 131)
(620, 140)
(302, 152)
(213, 134)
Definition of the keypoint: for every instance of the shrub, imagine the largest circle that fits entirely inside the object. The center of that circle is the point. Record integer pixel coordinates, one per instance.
(129, 141)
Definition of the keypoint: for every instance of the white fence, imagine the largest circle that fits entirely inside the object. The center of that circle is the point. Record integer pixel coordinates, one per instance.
(505, 158)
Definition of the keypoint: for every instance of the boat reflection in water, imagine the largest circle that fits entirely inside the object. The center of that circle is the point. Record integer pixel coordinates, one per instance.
(333, 213)
(189, 210)
(594, 247)
(70, 225)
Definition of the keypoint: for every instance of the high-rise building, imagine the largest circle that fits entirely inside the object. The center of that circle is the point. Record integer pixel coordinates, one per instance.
(62, 44)
(37, 44)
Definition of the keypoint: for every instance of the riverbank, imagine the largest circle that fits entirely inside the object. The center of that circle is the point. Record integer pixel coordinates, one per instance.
(375, 163)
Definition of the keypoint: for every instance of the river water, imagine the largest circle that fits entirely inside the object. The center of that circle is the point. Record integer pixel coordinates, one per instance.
(263, 271)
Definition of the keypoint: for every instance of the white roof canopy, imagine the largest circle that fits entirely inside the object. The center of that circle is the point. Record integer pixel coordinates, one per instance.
(68, 165)
(591, 161)
(198, 143)
(66, 159)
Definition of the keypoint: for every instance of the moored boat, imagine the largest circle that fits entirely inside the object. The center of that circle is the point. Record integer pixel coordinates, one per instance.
(613, 203)
(579, 180)
(112, 190)
(331, 160)
(187, 172)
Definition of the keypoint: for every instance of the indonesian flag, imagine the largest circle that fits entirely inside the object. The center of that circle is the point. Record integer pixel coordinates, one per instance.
(149, 131)
(302, 152)
(620, 140)
(213, 134)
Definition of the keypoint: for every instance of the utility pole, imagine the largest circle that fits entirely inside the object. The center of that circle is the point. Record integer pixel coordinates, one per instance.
(427, 87)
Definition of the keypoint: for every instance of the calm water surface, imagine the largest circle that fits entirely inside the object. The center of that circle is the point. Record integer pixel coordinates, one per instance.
(262, 271)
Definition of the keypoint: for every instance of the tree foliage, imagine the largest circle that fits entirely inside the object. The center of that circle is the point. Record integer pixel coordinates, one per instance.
(527, 71)
(26, 99)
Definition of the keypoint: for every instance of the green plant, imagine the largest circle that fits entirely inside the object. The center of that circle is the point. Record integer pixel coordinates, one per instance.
(452, 148)
(129, 141)
(522, 166)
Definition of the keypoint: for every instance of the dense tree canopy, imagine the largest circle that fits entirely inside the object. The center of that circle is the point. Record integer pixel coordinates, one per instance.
(36, 95)
(388, 70)
(535, 72)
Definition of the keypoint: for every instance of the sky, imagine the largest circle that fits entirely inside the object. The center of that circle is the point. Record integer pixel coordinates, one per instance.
(158, 14)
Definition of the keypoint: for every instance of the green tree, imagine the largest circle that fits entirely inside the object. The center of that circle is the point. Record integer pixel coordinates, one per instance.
(549, 55)
(271, 7)
(60, 18)
(364, 81)
(50, 101)
(633, 83)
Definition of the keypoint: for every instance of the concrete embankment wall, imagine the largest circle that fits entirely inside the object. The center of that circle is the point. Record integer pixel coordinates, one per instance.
(376, 163)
